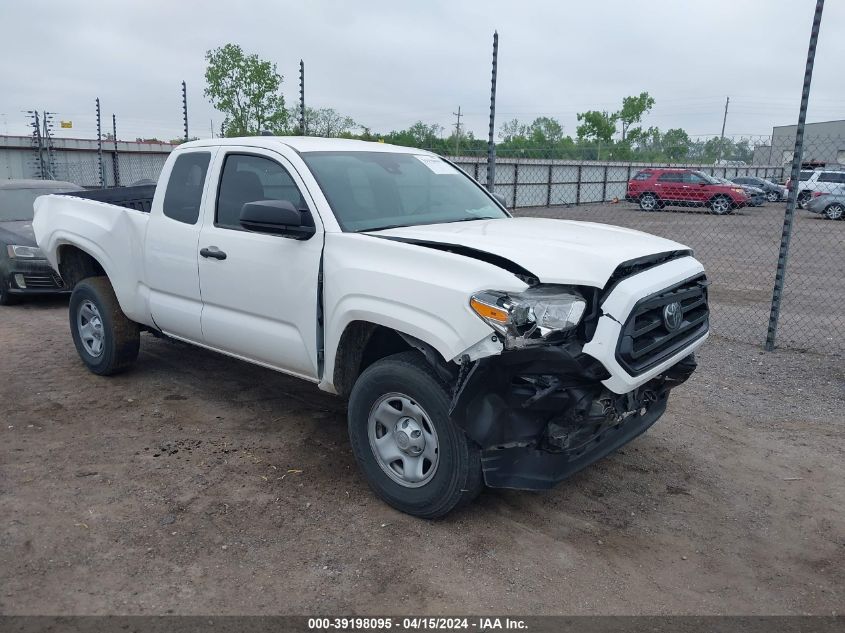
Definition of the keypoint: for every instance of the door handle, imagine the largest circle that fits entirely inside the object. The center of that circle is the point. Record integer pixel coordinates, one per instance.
(213, 252)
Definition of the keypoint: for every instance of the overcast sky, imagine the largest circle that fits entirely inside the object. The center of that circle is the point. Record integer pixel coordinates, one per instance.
(389, 63)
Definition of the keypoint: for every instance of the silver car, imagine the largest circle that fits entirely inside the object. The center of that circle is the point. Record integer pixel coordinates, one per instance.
(829, 204)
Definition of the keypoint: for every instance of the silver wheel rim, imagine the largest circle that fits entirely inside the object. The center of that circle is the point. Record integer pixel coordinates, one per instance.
(648, 202)
(89, 324)
(772, 196)
(720, 205)
(834, 211)
(403, 440)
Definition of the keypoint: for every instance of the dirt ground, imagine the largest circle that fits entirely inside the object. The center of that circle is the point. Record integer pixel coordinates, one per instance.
(198, 484)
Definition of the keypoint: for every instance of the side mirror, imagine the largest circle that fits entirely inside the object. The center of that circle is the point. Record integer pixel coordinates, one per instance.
(501, 199)
(278, 217)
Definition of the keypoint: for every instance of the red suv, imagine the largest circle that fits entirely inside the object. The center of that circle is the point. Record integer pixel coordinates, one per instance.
(656, 188)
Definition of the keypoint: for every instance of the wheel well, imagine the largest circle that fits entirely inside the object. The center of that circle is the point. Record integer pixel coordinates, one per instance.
(76, 265)
(363, 343)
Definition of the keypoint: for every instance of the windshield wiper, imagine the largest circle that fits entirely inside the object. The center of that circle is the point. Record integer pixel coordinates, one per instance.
(383, 228)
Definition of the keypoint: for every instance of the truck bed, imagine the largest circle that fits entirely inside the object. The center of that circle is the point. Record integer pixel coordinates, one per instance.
(139, 198)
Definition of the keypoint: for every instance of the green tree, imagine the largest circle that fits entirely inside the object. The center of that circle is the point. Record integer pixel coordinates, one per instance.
(598, 126)
(676, 144)
(326, 122)
(247, 90)
(633, 109)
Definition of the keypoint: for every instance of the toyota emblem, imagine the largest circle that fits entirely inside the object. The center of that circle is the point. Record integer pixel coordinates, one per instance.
(673, 315)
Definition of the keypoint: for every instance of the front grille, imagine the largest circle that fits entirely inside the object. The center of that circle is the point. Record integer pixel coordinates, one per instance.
(46, 281)
(646, 341)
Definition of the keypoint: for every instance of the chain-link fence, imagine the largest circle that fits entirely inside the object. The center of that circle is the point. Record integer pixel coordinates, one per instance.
(116, 169)
(730, 211)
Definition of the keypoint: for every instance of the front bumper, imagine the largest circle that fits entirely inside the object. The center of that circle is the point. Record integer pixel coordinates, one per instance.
(33, 276)
(541, 415)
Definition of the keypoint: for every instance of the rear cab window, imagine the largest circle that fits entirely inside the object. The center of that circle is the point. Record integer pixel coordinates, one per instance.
(185, 186)
(643, 175)
(671, 176)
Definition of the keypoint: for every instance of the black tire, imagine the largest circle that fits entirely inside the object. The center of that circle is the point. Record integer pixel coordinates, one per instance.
(835, 211)
(802, 199)
(119, 338)
(457, 479)
(6, 298)
(649, 202)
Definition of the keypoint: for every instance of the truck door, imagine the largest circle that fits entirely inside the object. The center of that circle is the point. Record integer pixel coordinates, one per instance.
(259, 291)
(171, 246)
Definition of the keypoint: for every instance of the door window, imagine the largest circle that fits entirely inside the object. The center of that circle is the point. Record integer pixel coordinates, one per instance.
(184, 187)
(671, 176)
(693, 179)
(832, 176)
(249, 178)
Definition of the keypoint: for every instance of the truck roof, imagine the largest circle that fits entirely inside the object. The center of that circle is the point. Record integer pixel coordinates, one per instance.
(305, 144)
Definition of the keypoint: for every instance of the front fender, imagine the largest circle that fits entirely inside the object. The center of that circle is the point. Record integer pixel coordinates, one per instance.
(412, 289)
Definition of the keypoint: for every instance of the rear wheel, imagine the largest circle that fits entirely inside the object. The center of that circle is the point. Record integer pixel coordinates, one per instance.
(412, 454)
(834, 211)
(772, 196)
(721, 205)
(107, 342)
(649, 202)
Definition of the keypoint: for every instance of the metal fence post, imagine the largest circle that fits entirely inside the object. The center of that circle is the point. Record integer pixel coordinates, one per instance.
(115, 163)
(789, 215)
(102, 173)
(549, 190)
(491, 145)
(515, 181)
(604, 185)
(578, 187)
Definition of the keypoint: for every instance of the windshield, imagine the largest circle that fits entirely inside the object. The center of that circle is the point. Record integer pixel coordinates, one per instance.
(16, 204)
(377, 190)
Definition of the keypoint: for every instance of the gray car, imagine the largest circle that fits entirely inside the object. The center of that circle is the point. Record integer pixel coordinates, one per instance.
(830, 205)
(23, 268)
(774, 193)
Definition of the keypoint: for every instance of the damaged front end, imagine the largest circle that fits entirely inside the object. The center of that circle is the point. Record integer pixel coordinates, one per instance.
(541, 413)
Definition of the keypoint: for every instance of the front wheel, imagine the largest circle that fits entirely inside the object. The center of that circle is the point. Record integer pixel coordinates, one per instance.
(721, 205)
(834, 211)
(772, 196)
(649, 202)
(412, 454)
(107, 342)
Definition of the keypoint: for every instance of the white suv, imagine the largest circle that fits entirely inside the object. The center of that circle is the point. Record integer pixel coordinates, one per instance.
(820, 180)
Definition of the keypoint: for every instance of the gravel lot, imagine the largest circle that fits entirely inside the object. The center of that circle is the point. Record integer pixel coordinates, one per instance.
(198, 484)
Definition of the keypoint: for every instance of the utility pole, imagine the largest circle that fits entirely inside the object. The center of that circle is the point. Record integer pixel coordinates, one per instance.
(491, 139)
(211, 122)
(724, 120)
(185, 108)
(458, 132)
(302, 126)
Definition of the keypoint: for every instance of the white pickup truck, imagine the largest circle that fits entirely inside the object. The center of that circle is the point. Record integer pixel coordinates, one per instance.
(474, 348)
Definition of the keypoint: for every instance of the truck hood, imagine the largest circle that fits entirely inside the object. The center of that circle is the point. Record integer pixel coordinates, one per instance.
(554, 251)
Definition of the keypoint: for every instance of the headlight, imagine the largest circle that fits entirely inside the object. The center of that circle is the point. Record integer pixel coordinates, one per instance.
(24, 252)
(738, 190)
(529, 317)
